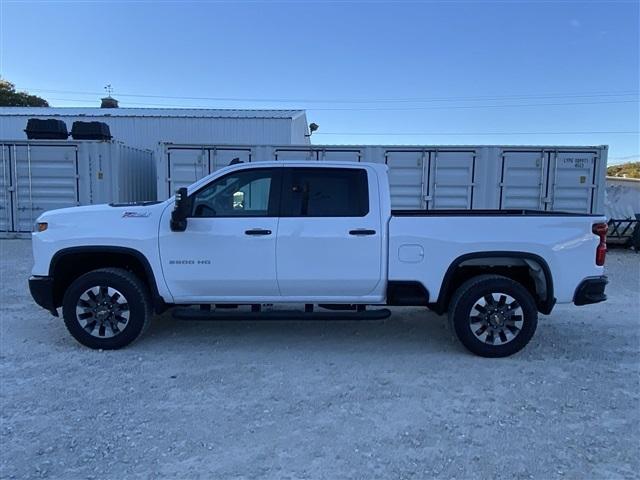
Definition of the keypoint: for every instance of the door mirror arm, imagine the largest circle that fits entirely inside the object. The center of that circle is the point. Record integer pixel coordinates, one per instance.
(181, 211)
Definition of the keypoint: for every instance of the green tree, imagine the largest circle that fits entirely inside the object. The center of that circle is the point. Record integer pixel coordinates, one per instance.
(10, 98)
(629, 170)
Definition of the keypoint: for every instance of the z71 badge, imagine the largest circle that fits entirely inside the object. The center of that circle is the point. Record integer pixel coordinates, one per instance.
(135, 214)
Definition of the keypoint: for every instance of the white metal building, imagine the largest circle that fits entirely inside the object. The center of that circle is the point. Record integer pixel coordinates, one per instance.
(146, 127)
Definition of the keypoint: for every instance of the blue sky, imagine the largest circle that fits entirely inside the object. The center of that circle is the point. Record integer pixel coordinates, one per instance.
(435, 72)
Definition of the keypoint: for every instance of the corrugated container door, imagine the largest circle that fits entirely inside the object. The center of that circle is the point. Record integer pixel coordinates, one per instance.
(295, 154)
(221, 157)
(572, 181)
(6, 191)
(137, 179)
(451, 180)
(522, 185)
(45, 178)
(406, 177)
(340, 155)
(185, 166)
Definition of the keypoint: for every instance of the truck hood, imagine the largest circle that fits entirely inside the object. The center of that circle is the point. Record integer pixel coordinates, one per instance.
(132, 226)
(105, 220)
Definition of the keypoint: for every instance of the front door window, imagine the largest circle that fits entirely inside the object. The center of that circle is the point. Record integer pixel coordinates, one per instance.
(240, 194)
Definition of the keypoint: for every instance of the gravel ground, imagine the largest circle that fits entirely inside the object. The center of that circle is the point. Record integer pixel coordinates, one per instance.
(389, 399)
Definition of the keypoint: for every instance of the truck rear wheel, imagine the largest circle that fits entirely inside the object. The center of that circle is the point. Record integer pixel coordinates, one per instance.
(106, 308)
(493, 316)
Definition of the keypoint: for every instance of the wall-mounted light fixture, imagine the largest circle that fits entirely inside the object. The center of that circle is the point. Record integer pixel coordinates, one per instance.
(312, 128)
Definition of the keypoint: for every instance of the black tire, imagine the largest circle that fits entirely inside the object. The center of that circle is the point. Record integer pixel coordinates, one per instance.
(136, 306)
(500, 339)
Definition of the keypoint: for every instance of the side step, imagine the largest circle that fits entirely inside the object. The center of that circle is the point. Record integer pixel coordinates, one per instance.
(186, 313)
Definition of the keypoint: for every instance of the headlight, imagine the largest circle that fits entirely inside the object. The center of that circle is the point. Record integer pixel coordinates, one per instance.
(40, 226)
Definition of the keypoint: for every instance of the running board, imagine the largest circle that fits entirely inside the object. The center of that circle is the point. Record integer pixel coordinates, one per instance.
(186, 313)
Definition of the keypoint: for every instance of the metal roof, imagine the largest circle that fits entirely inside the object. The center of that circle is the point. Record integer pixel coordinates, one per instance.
(149, 112)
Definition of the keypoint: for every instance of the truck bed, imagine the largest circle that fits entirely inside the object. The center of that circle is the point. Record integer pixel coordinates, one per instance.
(423, 244)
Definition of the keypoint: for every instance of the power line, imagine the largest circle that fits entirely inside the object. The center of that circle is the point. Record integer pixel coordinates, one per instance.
(341, 2)
(370, 109)
(626, 157)
(620, 132)
(451, 107)
(355, 101)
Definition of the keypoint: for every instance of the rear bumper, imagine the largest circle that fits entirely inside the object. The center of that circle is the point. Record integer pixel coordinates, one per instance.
(591, 290)
(41, 289)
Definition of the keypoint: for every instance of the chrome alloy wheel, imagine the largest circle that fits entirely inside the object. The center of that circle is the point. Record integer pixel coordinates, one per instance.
(102, 311)
(496, 319)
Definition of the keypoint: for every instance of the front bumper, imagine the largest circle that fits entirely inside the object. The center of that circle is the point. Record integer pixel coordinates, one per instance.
(41, 289)
(591, 290)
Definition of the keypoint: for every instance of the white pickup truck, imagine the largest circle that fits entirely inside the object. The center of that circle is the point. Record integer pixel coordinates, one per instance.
(318, 234)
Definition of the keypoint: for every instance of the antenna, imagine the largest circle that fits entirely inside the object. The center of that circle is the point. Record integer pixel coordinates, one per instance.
(108, 89)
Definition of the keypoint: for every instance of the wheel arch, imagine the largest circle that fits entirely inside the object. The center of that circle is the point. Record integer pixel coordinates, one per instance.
(69, 263)
(502, 263)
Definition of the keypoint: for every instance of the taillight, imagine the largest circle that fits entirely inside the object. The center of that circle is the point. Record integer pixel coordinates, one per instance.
(601, 230)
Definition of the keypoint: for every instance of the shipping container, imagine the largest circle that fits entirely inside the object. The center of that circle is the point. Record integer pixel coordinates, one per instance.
(40, 175)
(623, 198)
(622, 208)
(551, 178)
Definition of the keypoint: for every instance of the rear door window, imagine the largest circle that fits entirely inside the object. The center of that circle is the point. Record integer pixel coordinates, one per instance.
(326, 192)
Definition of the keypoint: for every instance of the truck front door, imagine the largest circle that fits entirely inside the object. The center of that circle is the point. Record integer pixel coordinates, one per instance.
(228, 251)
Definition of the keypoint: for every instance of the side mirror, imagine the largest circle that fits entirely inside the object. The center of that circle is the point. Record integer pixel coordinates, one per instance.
(180, 211)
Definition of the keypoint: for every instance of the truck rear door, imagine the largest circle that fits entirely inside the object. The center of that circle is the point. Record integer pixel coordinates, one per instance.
(330, 234)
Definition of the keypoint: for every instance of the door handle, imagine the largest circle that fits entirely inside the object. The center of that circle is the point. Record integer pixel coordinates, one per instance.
(362, 232)
(257, 231)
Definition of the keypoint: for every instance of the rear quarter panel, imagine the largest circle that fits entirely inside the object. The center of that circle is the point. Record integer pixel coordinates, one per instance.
(567, 244)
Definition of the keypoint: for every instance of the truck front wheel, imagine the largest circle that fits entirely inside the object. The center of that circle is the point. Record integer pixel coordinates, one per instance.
(106, 308)
(493, 316)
